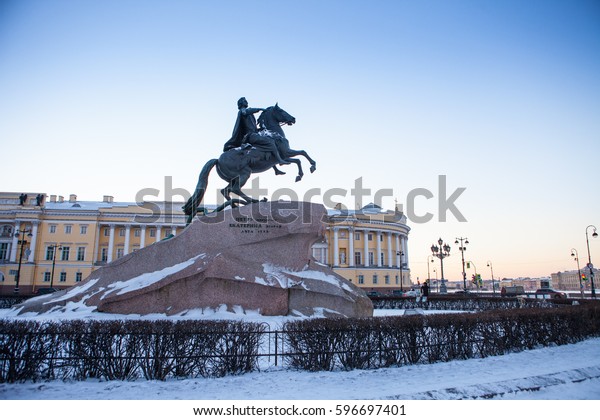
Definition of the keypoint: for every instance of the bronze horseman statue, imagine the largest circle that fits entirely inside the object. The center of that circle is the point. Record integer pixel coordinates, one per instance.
(252, 149)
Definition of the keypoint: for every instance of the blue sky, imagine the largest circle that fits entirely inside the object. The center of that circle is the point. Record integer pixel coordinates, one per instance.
(502, 97)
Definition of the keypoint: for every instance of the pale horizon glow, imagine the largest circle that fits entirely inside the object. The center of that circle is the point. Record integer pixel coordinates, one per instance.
(503, 98)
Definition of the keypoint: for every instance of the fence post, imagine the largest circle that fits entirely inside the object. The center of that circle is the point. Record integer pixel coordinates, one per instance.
(276, 347)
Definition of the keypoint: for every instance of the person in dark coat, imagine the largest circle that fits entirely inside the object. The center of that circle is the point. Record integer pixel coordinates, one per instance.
(425, 289)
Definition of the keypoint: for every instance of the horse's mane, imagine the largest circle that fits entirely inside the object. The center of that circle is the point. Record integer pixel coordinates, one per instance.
(261, 119)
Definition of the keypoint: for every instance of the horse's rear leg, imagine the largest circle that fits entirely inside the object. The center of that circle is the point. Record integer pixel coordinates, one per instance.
(236, 188)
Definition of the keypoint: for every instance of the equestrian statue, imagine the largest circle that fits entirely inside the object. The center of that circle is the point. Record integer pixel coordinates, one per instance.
(253, 148)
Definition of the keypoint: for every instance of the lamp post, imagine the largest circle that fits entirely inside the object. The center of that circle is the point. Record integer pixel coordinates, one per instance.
(489, 264)
(428, 275)
(54, 247)
(400, 254)
(590, 265)
(441, 251)
(462, 250)
(23, 241)
(437, 284)
(575, 254)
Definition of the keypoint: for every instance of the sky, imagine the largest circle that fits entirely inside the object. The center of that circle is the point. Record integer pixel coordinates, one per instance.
(500, 99)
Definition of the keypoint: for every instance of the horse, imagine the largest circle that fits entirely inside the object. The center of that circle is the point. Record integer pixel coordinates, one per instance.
(236, 165)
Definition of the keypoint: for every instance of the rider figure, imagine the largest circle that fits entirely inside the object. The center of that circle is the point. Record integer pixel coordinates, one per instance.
(244, 129)
(244, 124)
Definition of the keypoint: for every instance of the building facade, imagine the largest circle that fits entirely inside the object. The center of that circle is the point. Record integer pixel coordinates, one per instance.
(50, 241)
(569, 280)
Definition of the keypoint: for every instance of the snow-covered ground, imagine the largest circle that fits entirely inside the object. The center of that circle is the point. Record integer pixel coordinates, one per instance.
(570, 372)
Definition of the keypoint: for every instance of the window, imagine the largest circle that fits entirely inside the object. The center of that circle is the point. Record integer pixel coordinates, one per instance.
(81, 253)
(370, 236)
(63, 277)
(6, 231)
(153, 233)
(357, 236)
(137, 233)
(397, 282)
(371, 258)
(357, 259)
(381, 238)
(83, 229)
(106, 231)
(361, 279)
(387, 279)
(104, 255)
(120, 252)
(52, 229)
(65, 253)
(3, 251)
(122, 232)
(382, 259)
(50, 253)
(68, 229)
(167, 233)
(47, 277)
(374, 278)
(78, 277)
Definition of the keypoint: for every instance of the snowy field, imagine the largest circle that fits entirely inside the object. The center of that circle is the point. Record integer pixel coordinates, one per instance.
(570, 372)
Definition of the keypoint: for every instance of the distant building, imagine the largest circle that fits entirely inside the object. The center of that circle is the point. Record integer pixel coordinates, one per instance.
(529, 283)
(65, 240)
(569, 280)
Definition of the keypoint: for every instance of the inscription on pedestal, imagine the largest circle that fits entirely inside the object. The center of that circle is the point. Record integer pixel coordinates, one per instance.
(258, 225)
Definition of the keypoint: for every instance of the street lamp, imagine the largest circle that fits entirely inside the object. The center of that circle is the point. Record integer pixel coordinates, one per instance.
(22, 241)
(441, 251)
(462, 250)
(54, 247)
(437, 284)
(575, 254)
(590, 265)
(489, 264)
(400, 254)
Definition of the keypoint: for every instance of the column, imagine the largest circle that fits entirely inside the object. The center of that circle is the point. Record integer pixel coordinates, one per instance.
(127, 238)
(366, 248)
(34, 230)
(379, 262)
(351, 247)
(158, 233)
(97, 244)
(15, 242)
(398, 250)
(336, 249)
(143, 236)
(389, 247)
(111, 244)
(174, 231)
(405, 249)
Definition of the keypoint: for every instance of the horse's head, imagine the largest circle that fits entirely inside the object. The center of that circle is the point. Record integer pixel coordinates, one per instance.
(275, 116)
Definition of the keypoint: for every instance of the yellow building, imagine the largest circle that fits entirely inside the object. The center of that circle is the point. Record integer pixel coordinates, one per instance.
(57, 242)
(368, 247)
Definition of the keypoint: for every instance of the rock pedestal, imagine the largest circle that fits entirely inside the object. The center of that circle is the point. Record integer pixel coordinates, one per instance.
(256, 257)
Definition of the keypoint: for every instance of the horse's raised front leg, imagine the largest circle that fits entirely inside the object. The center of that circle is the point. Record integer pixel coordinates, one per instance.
(313, 164)
(300, 172)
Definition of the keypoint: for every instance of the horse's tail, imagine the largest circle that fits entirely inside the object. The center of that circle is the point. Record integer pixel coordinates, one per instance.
(191, 207)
